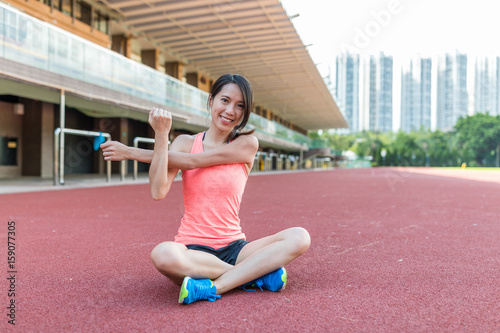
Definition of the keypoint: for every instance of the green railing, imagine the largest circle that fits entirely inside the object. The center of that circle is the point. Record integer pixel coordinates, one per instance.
(34, 43)
(275, 129)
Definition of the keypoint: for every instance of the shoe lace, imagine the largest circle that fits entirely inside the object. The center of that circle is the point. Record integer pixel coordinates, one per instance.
(204, 291)
(259, 283)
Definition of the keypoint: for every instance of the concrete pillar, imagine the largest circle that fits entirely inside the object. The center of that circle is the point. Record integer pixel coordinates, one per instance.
(175, 69)
(192, 79)
(31, 154)
(124, 136)
(47, 139)
(122, 44)
(198, 80)
(151, 58)
(119, 130)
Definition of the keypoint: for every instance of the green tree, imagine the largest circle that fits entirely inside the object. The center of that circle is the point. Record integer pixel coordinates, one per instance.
(479, 139)
(440, 149)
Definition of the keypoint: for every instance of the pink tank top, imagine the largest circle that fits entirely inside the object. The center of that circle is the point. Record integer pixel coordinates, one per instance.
(212, 198)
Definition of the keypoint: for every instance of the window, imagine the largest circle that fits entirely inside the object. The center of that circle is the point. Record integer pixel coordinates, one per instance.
(83, 12)
(66, 6)
(56, 4)
(100, 22)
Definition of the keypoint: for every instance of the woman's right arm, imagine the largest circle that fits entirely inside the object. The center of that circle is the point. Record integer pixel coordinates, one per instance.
(241, 150)
(117, 151)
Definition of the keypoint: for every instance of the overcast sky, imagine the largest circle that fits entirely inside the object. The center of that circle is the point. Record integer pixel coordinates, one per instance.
(401, 28)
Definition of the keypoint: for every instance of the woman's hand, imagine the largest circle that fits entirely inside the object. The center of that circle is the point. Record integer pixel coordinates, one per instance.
(114, 151)
(160, 120)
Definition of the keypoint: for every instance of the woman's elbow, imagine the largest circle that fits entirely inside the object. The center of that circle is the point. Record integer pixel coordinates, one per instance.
(158, 193)
(157, 196)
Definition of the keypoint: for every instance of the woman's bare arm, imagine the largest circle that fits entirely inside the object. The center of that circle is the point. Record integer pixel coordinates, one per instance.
(117, 151)
(241, 150)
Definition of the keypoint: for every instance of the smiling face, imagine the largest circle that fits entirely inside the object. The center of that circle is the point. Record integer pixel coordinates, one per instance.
(228, 107)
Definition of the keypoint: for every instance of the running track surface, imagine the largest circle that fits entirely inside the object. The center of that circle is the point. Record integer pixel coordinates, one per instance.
(392, 251)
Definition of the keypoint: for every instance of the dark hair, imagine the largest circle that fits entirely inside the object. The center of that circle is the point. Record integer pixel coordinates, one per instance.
(246, 90)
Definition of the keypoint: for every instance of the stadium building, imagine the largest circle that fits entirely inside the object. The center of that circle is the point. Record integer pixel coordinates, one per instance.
(71, 70)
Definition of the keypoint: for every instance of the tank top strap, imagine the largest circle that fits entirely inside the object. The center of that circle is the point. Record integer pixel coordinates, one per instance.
(198, 143)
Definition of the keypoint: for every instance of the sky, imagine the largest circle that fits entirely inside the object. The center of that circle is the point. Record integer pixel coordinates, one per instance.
(401, 28)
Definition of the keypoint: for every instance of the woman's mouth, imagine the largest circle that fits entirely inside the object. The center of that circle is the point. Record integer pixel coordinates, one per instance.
(225, 120)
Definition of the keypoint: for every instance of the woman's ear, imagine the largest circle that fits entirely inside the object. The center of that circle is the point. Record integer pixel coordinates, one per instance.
(210, 101)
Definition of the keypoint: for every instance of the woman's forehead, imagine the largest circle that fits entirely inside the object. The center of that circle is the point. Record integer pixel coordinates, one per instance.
(232, 90)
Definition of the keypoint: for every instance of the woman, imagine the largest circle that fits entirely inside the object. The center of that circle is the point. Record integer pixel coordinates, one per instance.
(210, 254)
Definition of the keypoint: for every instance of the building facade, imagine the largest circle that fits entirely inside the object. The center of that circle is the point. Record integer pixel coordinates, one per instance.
(452, 95)
(416, 88)
(347, 88)
(377, 93)
(487, 86)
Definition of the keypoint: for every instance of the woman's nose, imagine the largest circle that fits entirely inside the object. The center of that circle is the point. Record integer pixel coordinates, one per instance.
(230, 108)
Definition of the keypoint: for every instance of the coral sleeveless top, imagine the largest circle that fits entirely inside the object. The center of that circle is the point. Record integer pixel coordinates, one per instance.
(212, 198)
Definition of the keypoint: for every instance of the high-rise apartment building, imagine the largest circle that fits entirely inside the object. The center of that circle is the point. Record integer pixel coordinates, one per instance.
(487, 86)
(377, 95)
(452, 96)
(347, 88)
(416, 94)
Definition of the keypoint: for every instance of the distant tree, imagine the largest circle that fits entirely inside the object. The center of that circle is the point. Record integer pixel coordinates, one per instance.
(474, 140)
(340, 142)
(440, 151)
(479, 139)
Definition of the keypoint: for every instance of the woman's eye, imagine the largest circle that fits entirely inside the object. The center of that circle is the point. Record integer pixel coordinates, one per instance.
(224, 100)
(241, 106)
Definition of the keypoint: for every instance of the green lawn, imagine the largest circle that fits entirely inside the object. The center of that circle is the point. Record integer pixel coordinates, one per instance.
(470, 168)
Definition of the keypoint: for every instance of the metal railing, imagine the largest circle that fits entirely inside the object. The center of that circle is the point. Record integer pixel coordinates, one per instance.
(265, 161)
(59, 151)
(136, 145)
(33, 43)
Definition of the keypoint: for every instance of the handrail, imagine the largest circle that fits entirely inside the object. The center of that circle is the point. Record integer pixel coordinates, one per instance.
(59, 152)
(138, 139)
(113, 71)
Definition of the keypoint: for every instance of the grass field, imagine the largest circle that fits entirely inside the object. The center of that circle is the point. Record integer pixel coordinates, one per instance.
(469, 168)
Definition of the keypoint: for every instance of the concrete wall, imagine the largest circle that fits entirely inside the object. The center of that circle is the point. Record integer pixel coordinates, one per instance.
(47, 138)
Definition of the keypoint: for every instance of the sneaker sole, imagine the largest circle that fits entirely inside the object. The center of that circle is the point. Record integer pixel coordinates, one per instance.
(184, 292)
(284, 279)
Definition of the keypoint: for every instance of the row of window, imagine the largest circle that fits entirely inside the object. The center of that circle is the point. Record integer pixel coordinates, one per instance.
(82, 11)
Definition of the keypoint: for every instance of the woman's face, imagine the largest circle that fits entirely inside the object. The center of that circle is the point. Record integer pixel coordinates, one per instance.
(227, 107)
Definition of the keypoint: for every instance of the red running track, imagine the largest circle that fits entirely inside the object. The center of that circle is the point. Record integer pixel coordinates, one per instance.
(391, 252)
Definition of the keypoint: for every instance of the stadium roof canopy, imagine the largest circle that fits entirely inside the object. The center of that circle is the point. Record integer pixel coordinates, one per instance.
(255, 38)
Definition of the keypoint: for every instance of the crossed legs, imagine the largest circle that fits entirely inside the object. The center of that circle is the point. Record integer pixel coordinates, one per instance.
(255, 259)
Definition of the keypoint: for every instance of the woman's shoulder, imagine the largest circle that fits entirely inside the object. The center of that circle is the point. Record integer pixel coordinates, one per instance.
(183, 143)
(248, 140)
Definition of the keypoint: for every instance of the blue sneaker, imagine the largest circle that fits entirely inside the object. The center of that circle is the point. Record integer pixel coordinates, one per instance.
(196, 290)
(274, 281)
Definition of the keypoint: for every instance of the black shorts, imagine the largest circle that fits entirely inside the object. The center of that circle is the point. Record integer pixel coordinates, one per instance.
(227, 254)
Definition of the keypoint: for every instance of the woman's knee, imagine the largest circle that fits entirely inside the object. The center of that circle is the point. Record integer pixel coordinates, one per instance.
(166, 257)
(300, 239)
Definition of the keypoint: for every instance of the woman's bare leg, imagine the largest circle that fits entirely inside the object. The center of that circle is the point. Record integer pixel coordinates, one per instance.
(264, 256)
(256, 259)
(176, 261)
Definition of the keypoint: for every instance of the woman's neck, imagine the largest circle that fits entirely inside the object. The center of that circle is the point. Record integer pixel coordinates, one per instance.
(214, 138)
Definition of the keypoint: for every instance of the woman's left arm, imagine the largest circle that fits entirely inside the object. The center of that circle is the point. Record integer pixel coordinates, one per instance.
(241, 150)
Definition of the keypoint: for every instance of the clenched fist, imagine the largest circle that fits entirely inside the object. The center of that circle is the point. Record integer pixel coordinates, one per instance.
(114, 151)
(160, 120)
